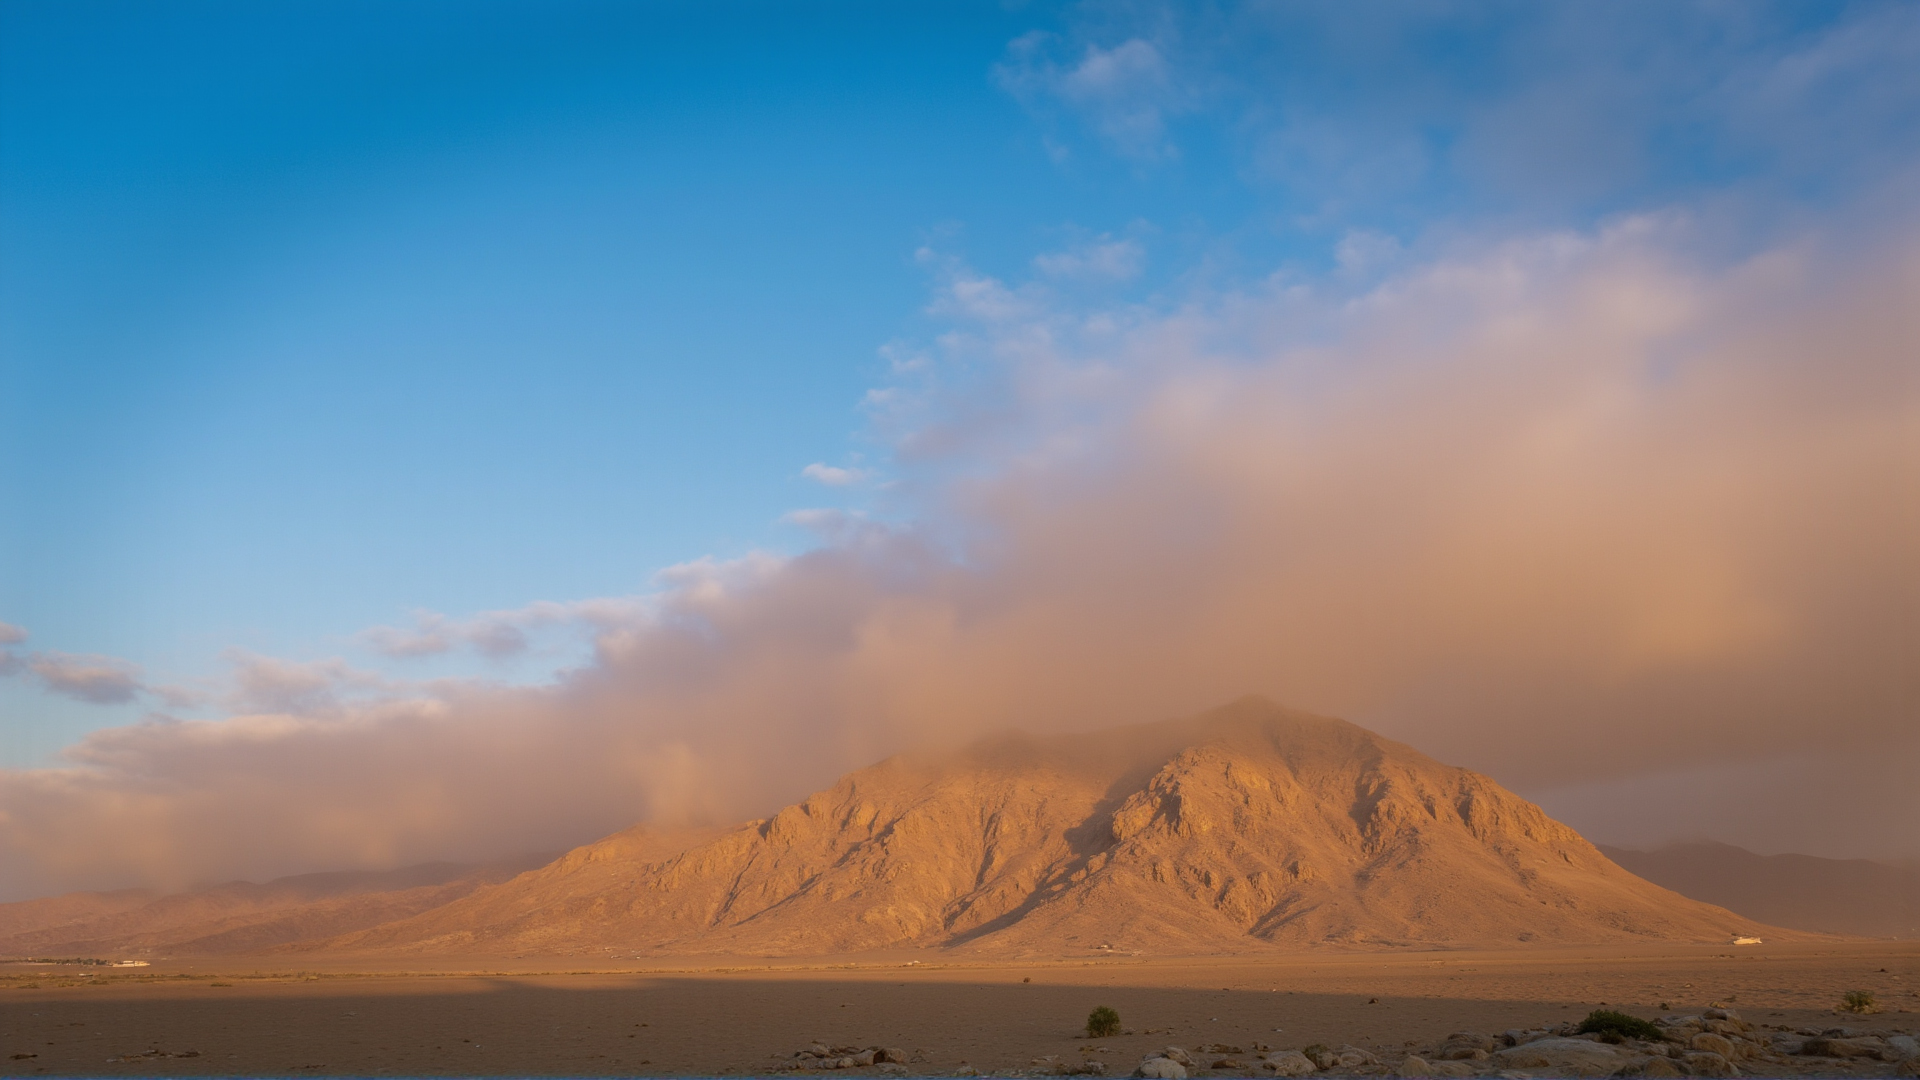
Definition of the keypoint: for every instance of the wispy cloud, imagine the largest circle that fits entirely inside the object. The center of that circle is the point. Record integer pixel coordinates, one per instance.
(102, 680)
(1101, 258)
(1345, 113)
(1126, 90)
(266, 684)
(833, 475)
(11, 634)
(498, 634)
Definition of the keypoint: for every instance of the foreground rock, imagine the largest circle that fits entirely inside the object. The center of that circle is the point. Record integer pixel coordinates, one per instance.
(821, 1056)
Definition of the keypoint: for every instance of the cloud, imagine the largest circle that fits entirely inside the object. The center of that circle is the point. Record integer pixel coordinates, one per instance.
(496, 635)
(1341, 113)
(1126, 90)
(1362, 251)
(11, 635)
(832, 475)
(1579, 509)
(265, 684)
(1102, 258)
(102, 680)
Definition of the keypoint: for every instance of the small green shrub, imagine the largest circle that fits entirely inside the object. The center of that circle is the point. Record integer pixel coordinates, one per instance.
(1102, 1023)
(1605, 1022)
(1859, 1001)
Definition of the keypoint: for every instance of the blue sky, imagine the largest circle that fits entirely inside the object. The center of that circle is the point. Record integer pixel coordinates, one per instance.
(317, 315)
(324, 312)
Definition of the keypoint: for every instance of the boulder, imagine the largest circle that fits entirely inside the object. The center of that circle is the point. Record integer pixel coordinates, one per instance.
(864, 1058)
(1413, 1066)
(1729, 1028)
(1227, 1063)
(1161, 1068)
(1904, 1047)
(1461, 1045)
(1321, 1057)
(1656, 1065)
(1864, 1046)
(890, 1053)
(1711, 1043)
(1783, 1043)
(1721, 1014)
(1908, 1068)
(1576, 1057)
(1353, 1057)
(1701, 1063)
(1174, 1053)
(1288, 1063)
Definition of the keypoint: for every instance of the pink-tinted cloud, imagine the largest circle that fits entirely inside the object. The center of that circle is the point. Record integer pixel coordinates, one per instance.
(497, 634)
(1575, 509)
(102, 680)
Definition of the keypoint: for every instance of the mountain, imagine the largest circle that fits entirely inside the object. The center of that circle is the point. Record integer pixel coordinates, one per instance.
(1248, 827)
(1835, 896)
(237, 917)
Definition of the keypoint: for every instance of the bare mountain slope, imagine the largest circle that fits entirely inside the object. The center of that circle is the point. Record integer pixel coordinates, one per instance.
(1836, 896)
(237, 917)
(1246, 826)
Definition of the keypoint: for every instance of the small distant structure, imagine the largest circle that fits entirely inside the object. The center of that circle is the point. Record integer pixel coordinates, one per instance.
(130, 963)
(1747, 941)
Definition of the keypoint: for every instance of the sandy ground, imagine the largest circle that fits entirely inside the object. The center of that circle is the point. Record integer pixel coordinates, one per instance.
(530, 1017)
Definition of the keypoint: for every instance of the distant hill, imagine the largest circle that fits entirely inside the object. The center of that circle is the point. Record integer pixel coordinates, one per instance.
(240, 916)
(1249, 827)
(1835, 896)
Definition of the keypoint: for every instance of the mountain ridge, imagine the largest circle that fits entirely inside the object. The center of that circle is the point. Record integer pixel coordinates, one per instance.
(1245, 828)
(1863, 897)
(1249, 826)
(239, 916)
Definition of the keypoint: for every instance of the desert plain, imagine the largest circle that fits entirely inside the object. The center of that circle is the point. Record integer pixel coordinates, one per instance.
(734, 1016)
